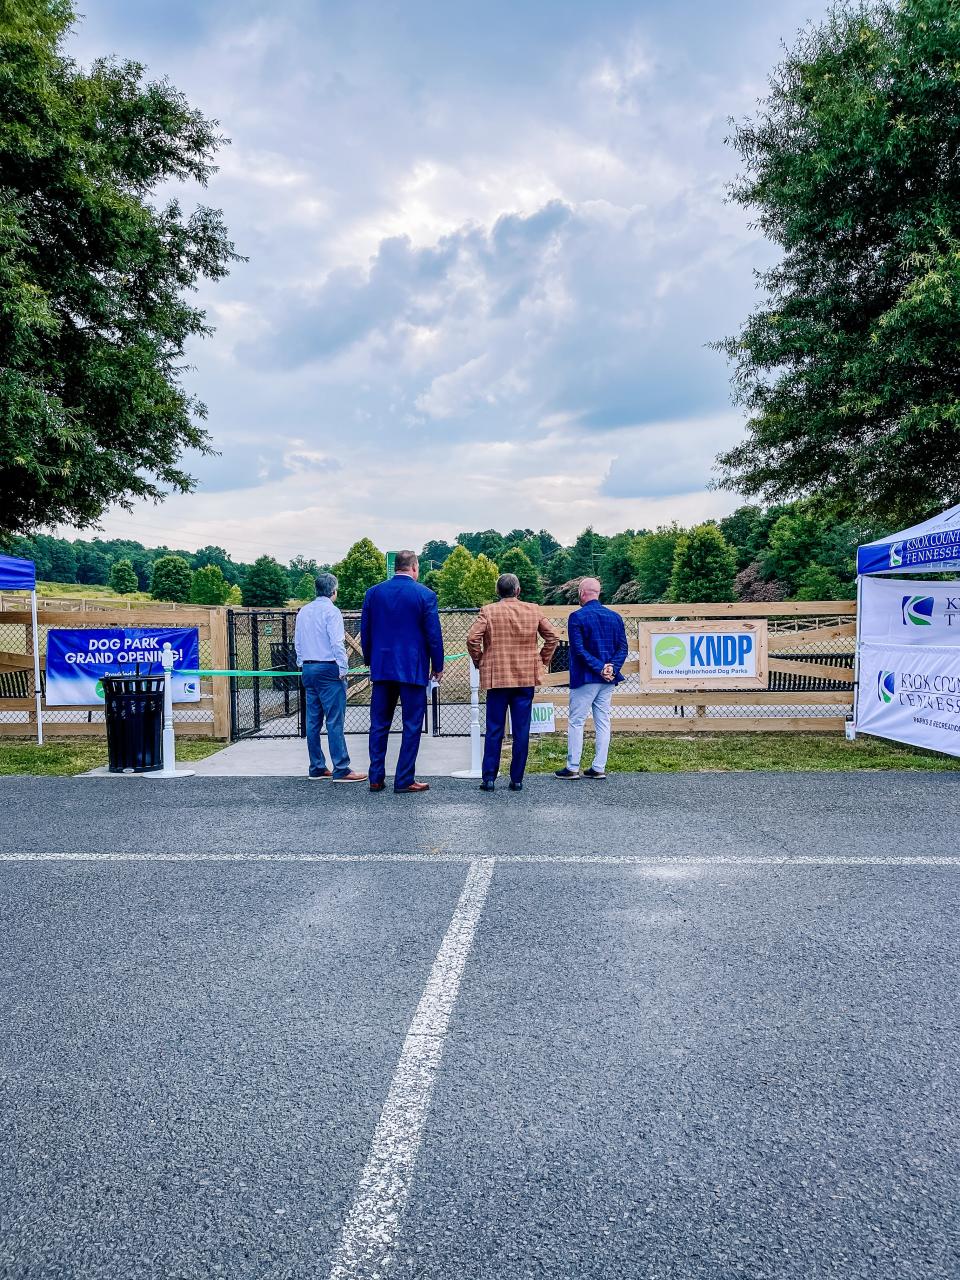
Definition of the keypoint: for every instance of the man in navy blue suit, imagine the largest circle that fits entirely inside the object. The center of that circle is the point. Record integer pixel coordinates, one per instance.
(402, 645)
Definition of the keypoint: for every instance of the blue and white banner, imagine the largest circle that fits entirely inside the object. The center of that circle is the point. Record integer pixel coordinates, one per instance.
(911, 613)
(909, 674)
(911, 694)
(933, 546)
(77, 661)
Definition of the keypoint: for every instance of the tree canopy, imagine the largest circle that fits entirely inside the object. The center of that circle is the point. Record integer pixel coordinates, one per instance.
(361, 568)
(209, 586)
(703, 566)
(266, 585)
(517, 561)
(171, 579)
(849, 368)
(94, 267)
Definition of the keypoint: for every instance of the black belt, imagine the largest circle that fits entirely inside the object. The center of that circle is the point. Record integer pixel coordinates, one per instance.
(316, 662)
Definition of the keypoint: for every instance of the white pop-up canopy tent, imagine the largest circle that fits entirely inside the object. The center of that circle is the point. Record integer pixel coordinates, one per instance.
(908, 636)
(21, 575)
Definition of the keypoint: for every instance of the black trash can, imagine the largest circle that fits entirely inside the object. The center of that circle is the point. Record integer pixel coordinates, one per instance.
(133, 708)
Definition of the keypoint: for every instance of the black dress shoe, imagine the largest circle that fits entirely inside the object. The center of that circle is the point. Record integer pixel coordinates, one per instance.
(486, 785)
(516, 786)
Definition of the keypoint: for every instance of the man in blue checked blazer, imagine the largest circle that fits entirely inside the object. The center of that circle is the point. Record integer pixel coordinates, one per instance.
(598, 650)
(403, 645)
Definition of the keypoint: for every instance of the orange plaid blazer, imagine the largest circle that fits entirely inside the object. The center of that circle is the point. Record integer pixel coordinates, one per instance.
(503, 644)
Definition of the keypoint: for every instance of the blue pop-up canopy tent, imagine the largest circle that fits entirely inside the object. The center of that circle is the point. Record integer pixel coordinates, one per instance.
(21, 575)
(930, 547)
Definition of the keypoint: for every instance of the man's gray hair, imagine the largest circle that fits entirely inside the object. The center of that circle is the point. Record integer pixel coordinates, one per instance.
(508, 585)
(326, 584)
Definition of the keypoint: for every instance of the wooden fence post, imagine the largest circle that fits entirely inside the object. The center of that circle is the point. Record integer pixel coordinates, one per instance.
(221, 684)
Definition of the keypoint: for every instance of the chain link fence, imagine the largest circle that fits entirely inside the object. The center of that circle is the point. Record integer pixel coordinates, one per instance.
(16, 683)
(800, 639)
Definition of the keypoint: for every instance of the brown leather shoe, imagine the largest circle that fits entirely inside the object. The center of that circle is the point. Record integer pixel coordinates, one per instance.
(415, 787)
(377, 786)
(352, 777)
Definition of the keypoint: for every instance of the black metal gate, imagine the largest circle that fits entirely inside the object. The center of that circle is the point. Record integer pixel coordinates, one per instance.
(264, 706)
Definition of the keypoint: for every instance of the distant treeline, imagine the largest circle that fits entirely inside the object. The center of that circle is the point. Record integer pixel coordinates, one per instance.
(754, 554)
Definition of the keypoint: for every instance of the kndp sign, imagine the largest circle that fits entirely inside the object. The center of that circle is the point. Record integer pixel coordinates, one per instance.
(678, 656)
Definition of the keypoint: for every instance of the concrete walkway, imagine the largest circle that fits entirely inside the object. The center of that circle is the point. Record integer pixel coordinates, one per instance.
(287, 757)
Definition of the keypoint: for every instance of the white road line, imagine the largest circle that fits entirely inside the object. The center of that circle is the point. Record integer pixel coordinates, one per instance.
(574, 859)
(370, 1230)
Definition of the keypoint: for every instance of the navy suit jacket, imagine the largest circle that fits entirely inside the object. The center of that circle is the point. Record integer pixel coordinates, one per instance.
(400, 631)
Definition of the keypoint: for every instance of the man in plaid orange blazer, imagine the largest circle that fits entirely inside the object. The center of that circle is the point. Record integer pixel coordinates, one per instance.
(503, 643)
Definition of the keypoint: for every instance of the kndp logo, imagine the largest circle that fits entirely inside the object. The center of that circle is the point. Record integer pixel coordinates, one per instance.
(670, 651)
(886, 685)
(896, 555)
(917, 610)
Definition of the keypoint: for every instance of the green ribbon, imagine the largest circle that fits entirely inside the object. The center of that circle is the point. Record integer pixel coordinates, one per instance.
(353, 671)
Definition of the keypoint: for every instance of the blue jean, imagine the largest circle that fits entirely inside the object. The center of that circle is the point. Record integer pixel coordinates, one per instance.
(326, 697)
(520, 704)
(383, 703)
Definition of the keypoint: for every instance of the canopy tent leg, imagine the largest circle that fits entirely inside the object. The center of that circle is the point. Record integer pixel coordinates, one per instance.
(36, 666)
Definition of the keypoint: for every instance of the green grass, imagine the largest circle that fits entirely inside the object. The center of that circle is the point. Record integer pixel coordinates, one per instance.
(727, 752)
(84, 591)
(66, 758)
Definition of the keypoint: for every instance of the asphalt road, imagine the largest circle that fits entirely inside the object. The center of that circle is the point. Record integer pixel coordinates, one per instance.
(675, 1070)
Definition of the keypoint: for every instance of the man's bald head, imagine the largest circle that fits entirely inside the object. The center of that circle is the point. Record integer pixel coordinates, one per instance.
(589, 589)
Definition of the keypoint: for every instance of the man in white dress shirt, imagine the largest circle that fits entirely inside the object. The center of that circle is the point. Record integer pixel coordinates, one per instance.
(322, 655)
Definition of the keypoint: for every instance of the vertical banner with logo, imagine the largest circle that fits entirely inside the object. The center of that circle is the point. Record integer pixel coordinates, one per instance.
(909, 672)
(77, 661)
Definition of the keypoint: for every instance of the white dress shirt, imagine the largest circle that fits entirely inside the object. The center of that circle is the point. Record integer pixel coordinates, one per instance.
(318, 635)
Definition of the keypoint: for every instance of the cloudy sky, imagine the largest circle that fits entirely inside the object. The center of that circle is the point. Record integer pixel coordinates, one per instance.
(487, 246)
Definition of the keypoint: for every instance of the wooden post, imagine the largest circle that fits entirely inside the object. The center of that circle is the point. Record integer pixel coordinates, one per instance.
(221, 684)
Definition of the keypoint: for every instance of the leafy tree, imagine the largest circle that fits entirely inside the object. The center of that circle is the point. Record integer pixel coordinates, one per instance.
(361, 568)
(849, 369)
(435, 551)
(488, 542)
(549, 546)
(532, 550)
(93, 566)
(431, 579)
(266, 585)
(584, 557)
(703, 566)
(752, 587)
(748, 528)
(452, 579)
(94, 267)
(531, 585)
(617, 564)
(216, 555)
(209, 586)
(480, 584)
(653, 562)
(122, 579)
(306, 588)
(629, 593)
(817, 582)
(63, 558)
(235, 596)
(800, 538)
(566, 593)
(171, 579)
(557, 568)
(300, 567)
